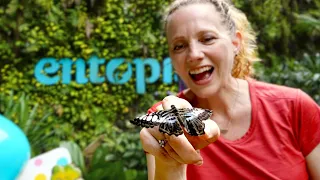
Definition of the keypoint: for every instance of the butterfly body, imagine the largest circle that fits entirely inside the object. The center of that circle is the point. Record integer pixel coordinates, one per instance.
(173, 121)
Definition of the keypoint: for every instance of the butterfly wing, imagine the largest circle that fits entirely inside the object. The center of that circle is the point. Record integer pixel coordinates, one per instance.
(192, 119)
(150, 120)
(165, 119)
(170, 121)
(171, 125)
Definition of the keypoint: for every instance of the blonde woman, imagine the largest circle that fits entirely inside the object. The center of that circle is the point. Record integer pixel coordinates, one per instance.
(258, 130)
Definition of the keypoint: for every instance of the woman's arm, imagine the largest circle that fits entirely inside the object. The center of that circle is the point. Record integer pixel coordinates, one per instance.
(165, 172)
(308, 130)
(151, 166)
(178, 172)
(313, 164)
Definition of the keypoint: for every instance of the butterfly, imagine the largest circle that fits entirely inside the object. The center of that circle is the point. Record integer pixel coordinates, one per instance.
(173, 120)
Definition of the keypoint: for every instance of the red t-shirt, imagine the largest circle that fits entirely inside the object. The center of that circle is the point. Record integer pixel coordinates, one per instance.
(285, 127)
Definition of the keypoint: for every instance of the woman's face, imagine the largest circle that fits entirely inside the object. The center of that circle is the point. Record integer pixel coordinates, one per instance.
(201, 48)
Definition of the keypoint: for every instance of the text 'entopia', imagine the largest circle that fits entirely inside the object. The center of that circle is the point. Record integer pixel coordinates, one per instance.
(49, 71)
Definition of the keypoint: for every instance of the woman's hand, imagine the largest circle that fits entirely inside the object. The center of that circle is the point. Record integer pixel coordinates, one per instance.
(180, 150)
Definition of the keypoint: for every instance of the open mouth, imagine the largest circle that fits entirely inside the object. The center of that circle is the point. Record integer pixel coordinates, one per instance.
(201, 73)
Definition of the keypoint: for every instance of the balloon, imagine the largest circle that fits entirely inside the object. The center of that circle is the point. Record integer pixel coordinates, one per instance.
(14, 149)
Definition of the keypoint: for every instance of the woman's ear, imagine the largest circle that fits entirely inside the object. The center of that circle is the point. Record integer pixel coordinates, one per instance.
(236, 41)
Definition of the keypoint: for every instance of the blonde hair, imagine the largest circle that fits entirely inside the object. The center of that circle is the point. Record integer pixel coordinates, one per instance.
(235, 20)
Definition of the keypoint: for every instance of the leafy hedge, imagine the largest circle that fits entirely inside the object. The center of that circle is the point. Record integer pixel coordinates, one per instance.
(78, 29)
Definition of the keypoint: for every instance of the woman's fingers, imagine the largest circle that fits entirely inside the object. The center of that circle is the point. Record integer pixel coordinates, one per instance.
(151, 145)
(212, 133)
(166, 154)
(172, 153)
(184, 149)
(169, 143)
(173, 100)
(211, 130)
(180, 144)
(177, 149)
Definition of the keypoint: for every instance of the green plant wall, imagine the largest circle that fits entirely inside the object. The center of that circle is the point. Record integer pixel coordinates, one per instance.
(78, 29)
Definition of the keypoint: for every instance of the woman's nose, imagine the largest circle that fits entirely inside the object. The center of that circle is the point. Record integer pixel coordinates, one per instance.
(195, 53)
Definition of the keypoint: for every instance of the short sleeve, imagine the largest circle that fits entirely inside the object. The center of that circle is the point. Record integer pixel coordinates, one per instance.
(154, 107)
(307, 122)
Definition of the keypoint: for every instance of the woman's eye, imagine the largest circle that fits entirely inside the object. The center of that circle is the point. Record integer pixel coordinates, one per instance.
(207, 39)
(178, 47)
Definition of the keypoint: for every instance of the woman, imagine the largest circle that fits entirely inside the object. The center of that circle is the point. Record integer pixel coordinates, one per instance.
(259, 130)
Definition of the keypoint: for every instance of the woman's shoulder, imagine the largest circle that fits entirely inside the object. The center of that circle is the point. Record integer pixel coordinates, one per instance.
(269, 90)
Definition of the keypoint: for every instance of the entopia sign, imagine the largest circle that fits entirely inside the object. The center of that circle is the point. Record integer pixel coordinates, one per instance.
(50, 71)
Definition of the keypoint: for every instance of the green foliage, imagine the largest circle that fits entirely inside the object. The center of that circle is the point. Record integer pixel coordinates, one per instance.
(288, 32)
(79, 29)
(76, 154)
(23, 113)
(304, 74)
(309, 21)
(105, 165)
(280, 26)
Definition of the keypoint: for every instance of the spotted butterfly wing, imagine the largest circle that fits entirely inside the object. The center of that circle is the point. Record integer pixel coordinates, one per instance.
(171, 126)
(170, 121)
(192, 119)
(166, 120)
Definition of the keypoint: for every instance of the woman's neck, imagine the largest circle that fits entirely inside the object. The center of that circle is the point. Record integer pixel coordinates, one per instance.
(227, 99)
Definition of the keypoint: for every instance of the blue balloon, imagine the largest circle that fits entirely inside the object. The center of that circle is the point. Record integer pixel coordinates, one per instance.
(14, 149)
